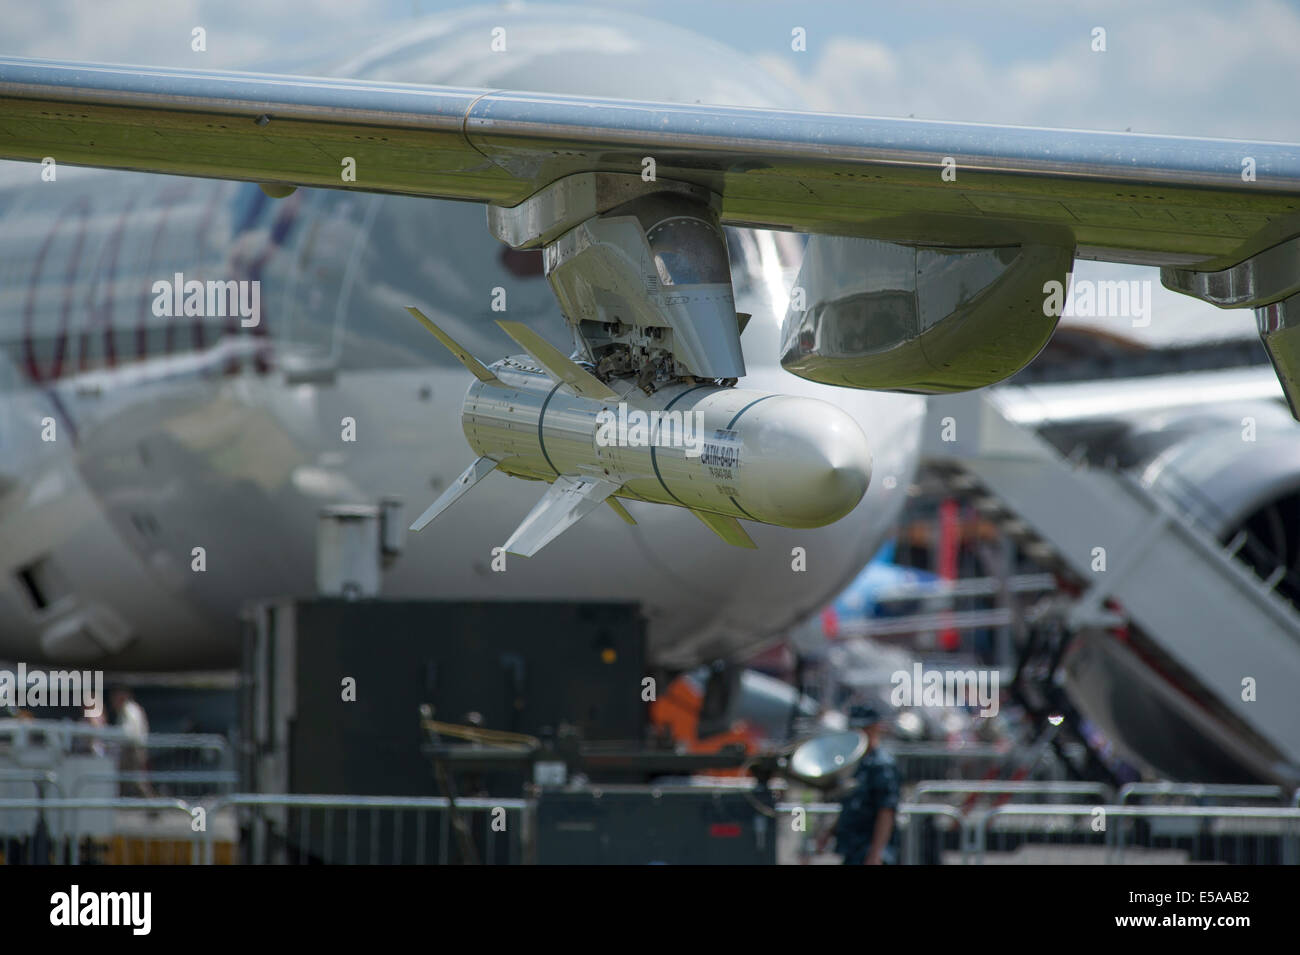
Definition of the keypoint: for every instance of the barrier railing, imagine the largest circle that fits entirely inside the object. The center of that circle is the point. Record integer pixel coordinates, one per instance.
(1240, 834)
(913, 838)
(1200, 791)
(181, 784)
(188, 752)
(76, 759)
(918, 761)
(916, 827)
(166, 751)
(39, 778)
(307, 828)
(56, 830)
(1012, 787)
(372, 829)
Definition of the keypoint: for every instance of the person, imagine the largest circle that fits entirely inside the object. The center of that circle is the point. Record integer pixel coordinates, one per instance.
(130, 717)
(865, 833)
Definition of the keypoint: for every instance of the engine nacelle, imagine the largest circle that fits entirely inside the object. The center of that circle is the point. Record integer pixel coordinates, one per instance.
(889, 317)
(1234, 469)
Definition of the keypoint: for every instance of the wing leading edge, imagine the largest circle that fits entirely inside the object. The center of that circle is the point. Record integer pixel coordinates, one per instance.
(1121, 196)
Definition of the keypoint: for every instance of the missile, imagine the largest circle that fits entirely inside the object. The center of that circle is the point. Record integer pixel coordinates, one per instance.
(726, 454)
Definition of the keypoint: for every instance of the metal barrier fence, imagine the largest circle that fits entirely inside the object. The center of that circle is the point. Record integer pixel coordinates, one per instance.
(376, 829)
(72, 831)
(1202, 791)
(925, 830)
(1234, 834)
(286, 829)
(188, 752)
(923, 761)
(40, 780)
(180, 784)
(187, 765)
(69, 737)
(1012, 787)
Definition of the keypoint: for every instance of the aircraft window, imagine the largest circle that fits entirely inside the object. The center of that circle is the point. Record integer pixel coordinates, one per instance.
(686, 252)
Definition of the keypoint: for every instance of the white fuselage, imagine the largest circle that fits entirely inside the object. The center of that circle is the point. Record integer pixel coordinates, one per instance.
(172, 433)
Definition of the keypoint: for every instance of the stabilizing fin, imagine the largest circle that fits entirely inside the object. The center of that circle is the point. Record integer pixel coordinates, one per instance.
(728, 528)
(742, 319)
(557, 366)
(567, 501)
(471, 476)
(475, 366)
(620, 510)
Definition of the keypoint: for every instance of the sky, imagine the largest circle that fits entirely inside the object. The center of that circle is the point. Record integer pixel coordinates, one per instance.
(1194, 68)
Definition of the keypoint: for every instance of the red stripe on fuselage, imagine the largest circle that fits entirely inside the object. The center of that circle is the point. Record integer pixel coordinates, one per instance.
(100, 303)
(167, 199)
(99, 308)
(80, 207)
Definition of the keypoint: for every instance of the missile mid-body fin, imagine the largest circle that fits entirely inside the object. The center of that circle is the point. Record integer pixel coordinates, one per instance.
(556, 365)
(476, 367)
(728, 528)
(568, 500)
(476, 472)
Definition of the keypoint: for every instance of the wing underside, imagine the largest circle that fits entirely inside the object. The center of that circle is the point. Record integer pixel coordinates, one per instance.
(1125, 196)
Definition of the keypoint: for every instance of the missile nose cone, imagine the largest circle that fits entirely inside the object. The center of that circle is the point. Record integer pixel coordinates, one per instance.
(832, 466)
(818, 462)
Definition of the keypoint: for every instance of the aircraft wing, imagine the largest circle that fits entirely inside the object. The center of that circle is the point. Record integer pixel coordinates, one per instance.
(1119, 196)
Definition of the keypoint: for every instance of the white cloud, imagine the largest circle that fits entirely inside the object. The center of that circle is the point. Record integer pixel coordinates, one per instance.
(239, 32)
(1185, 70)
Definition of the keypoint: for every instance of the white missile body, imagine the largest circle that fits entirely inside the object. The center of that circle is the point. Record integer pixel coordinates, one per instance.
(727, 454)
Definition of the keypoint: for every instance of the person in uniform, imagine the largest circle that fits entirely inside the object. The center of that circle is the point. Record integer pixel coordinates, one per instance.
(865, 833)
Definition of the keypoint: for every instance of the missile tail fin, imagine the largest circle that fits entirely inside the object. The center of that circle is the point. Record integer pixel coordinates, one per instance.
(556, 364)
(567, 501)
(476, 367)
(468, 478)
(728, 528)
